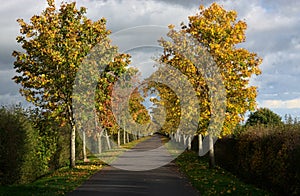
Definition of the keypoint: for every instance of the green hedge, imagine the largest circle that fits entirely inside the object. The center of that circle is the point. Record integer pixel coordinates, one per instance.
(20, 158)
(31, 145)
(267, 156)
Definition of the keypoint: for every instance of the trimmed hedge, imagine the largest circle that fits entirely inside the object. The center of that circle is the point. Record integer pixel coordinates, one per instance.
(31, 145)
(266, 156)
(20, 160)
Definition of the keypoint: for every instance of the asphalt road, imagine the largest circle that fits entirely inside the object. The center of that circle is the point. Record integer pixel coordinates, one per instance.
(161, 181)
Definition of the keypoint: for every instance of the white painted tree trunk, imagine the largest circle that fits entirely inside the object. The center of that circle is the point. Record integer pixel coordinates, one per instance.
(99, 143)
(189, 142)
(184, 139)
(73, 146)
(124, 136)
(119, 138)
(84, 146)
(107, 140)
(200, 145)
(212, 163)
(72, 138)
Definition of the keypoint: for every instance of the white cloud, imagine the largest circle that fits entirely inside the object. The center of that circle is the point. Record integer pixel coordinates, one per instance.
(142, 59)
(125, 14)
(279, 104)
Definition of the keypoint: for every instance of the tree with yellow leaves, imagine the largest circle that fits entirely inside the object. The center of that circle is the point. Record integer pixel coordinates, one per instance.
(55, 43)
(219, 32)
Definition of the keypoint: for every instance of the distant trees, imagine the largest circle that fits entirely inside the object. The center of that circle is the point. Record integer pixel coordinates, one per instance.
(263, 116)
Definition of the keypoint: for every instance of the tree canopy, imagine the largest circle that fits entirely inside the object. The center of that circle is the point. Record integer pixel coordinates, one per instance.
(263, 116)
(219, 32)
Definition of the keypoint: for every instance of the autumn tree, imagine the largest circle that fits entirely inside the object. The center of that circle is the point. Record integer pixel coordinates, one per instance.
(55, 44)
(104, 100)
(137, 110)
(263, 116)
(158, 116)
(113, 89)
(169, 121)
(219, 32)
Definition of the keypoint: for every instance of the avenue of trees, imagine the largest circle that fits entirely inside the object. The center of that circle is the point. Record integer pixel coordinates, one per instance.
(56, 43)
(217, 31)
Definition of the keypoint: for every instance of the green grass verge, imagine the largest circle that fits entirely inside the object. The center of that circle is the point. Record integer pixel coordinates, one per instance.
(62, 180)
(215, 181)
(59, 182)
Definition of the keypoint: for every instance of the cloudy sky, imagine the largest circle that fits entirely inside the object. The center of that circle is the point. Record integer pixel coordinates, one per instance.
(273, 32)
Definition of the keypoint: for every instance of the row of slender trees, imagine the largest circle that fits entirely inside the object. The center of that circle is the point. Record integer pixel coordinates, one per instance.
(58, 43)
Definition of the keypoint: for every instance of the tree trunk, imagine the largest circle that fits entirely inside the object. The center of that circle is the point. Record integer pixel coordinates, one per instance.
(107, 140)
(124, 136)
(200, 151)
(72, 138)
(99, 143)
(135, 136)
(72, 147)
(189, 142)
(184, 139)
(127, 137)
(98, 133)
(119, 138)
(84, 146)
(212, 163)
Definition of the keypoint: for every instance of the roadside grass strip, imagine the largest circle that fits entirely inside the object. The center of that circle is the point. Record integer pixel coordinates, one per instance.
(215, 181)
(63, 180)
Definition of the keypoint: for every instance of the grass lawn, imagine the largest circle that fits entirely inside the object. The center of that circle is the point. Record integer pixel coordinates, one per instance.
(215, 181)
(62, 180)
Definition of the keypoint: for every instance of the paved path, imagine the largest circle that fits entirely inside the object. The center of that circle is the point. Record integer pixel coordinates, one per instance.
(162, 181)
